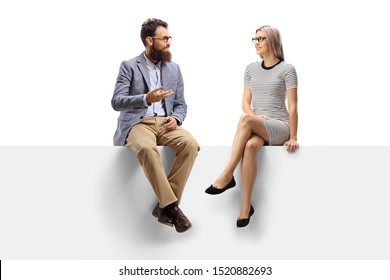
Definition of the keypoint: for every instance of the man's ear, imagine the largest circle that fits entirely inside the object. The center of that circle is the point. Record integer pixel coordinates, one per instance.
(149, 41)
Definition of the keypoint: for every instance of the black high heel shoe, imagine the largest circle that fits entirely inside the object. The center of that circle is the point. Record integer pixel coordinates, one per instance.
(244, 222)
(214, 190)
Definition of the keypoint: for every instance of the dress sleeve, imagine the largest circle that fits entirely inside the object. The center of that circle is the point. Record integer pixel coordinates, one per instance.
(247, 77)
(290, 77)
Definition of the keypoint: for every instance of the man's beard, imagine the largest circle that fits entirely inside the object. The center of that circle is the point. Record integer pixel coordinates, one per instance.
(160, 55)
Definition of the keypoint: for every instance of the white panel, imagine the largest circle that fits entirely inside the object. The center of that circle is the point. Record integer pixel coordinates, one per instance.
(95, 203)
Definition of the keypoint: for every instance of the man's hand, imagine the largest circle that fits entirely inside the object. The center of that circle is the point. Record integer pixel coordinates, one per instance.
(157, 95)
(170, 124)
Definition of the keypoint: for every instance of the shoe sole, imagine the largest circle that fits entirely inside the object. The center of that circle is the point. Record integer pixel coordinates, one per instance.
(181, 231)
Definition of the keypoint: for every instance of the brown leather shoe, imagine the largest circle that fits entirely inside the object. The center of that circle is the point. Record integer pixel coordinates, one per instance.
(162, 216)
(180, 220)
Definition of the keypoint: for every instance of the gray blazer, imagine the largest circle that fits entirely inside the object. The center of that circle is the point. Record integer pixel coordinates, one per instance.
(133, 83)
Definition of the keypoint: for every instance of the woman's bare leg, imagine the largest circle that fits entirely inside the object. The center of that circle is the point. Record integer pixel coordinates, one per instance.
(249, 172)
(248, 124)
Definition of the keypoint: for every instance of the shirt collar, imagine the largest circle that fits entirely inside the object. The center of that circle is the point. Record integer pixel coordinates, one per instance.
(150, 64)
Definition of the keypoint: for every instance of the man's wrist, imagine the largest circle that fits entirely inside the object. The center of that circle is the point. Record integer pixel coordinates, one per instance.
(177, 121)
(146, 102)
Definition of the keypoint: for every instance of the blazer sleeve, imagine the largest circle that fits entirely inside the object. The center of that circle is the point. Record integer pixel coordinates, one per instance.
(124, 97)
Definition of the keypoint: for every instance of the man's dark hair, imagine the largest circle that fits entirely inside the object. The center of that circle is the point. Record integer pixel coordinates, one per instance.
(149, 28)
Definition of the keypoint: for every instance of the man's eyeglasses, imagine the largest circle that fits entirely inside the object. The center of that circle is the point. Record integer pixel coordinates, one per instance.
(165, 39)
(258, 39)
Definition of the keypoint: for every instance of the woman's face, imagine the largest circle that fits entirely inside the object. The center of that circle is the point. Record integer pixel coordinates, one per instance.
(261, 44)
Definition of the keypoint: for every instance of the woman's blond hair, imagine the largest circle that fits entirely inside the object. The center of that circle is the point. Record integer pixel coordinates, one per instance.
(274, 40)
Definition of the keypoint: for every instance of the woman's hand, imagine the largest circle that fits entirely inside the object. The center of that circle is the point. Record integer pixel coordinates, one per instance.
(291, 145)
(264, 117)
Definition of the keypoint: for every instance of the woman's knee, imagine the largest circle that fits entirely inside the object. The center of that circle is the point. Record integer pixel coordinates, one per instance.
(244, 118)
(248, 119)
(254, 144)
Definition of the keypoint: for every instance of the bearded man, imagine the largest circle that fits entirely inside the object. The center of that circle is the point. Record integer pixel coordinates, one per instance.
(149, 93)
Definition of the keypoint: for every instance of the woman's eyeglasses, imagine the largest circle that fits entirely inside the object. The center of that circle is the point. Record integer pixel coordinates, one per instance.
(258, 39)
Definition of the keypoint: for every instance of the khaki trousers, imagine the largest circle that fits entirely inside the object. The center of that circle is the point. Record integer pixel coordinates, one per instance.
(143, 139)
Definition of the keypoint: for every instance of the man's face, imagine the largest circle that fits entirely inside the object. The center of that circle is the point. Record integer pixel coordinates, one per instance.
(160, 45)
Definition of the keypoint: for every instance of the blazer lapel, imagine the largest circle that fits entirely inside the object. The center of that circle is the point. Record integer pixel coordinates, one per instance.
(165, 76)
(141, 63)
(166, 82)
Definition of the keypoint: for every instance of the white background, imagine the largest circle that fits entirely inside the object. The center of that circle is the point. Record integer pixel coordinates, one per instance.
(59, 61)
